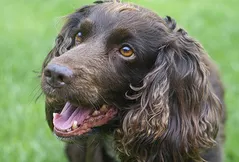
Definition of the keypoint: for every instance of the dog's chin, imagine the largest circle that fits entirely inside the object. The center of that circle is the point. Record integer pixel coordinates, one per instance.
(75, 122)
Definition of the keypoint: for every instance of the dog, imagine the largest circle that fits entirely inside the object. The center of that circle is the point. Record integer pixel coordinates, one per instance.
(123, 84)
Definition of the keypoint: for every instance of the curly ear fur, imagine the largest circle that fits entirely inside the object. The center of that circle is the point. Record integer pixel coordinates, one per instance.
(178, 112)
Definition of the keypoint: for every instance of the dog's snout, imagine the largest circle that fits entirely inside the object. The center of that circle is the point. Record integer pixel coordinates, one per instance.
(57, 75)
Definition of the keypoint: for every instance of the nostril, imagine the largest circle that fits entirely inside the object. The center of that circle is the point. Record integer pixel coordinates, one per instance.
(61, 78)
(64, 75)
(47, 73)
(58, 75)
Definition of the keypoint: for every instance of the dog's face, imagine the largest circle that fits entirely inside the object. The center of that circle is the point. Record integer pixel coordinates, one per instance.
(121, 66)
(101, 51)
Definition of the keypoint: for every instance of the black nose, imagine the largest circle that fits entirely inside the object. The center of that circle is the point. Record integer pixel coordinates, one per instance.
(57, 75)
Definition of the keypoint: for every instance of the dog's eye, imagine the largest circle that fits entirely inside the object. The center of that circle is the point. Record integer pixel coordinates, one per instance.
(78, 38)
(126, 51)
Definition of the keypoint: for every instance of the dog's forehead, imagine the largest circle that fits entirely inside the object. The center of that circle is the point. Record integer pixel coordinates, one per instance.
(120, 15)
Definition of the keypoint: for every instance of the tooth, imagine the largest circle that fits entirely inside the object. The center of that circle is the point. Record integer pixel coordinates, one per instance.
(84, 126)
(91, 120)
(74, 125)
(68, 130)
(95, 113)
(104, 108)
(54, 115)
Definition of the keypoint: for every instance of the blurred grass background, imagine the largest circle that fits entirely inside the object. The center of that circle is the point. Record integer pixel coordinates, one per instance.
(27, 33)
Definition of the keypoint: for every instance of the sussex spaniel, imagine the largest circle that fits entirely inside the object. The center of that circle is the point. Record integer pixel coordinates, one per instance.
(125, 85)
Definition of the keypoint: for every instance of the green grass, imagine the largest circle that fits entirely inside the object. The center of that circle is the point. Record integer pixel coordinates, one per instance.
(27, 33)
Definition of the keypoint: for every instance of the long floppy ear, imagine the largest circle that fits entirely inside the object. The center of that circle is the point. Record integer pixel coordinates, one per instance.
(178, 114)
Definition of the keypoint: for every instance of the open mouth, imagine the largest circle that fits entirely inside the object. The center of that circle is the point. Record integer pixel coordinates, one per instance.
(75, 121)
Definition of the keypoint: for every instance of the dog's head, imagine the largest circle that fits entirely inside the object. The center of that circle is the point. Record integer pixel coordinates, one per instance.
(119, 67)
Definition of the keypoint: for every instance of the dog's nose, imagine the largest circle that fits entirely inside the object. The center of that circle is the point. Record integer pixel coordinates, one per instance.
(57, 75)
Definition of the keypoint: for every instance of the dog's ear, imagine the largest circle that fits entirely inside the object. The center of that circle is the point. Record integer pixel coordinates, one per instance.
(178, 112)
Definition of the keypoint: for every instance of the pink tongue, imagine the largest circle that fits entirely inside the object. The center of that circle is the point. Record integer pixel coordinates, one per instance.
(69, 114)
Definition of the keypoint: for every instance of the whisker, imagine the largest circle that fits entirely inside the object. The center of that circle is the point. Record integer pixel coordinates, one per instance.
(96, 145)
(36, 93)
(37, 72)
(92, 141)
(41, 93)
(79, 145)
(102, 97)
(94, 106)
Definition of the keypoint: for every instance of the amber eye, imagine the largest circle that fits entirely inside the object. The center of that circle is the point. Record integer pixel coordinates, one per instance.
(78, 38)
(126, 51)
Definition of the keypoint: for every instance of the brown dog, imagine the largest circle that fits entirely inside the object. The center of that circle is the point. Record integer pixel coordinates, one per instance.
(126, 85)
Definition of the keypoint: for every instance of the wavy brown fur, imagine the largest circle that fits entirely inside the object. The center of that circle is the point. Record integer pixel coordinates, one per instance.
(176, 89)
(172, 108)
